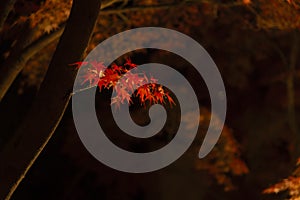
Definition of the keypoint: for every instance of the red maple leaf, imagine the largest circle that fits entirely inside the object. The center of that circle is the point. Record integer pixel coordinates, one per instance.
(170, 99)
(98, 67)
(132, 80)
(79, 64)
(116, 68)
(143, 92)
(91, 78)
(158, 95)
(105, 78)
(122, 96)
(129, 63)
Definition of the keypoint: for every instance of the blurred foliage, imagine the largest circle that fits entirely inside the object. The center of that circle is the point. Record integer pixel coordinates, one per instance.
(291, 185)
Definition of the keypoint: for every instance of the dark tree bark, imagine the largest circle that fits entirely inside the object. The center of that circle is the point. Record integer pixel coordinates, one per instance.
(17, 61)
(51, 101)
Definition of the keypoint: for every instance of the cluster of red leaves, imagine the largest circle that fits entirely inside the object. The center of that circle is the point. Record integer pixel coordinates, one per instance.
(97, 74)
(290, 184)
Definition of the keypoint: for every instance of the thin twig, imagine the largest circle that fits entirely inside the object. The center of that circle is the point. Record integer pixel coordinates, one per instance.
(167, 6)
(52, 99)
(5, 10)
(83, 89)
(109, 3)
(137, 8)
(291, 88)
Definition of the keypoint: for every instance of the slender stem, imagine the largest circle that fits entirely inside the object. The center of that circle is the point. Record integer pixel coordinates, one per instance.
(7, 6)
(291, 89)
(83, 89)
(166, 6)
(52, 99)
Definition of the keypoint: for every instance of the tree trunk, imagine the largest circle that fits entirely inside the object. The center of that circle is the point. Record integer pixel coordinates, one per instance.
(15, 63)
(52, 99)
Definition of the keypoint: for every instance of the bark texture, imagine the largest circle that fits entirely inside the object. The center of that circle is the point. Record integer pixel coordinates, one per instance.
(52, 99)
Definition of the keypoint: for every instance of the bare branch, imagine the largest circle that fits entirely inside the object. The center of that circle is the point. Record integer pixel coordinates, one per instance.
(40, 44)
(167, 6)
(111, 2)
(13, 65)
(51, 101)
(291, 88)
(5, 10)
(138, 8)
(288, 78)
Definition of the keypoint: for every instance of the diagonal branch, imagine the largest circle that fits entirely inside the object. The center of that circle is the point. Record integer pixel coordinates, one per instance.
(111, 2)
(52, 99)
(13, 65)
(7, 6)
